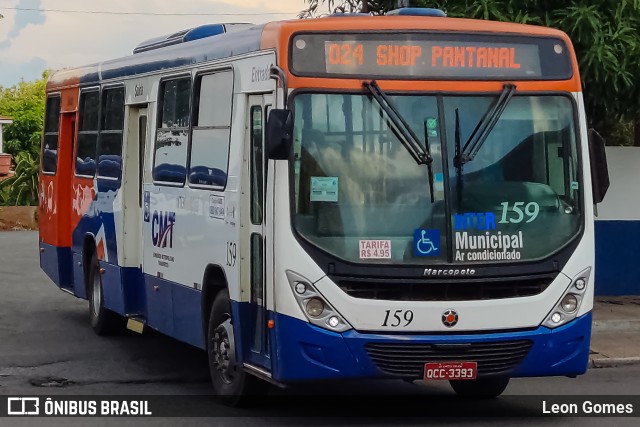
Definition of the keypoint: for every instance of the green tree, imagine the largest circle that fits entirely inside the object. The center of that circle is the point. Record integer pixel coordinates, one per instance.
(22, 188)
(24, 102)
(605, 34)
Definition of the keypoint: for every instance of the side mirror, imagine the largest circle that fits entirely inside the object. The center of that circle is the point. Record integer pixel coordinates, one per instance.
(599, 170)
(279, 135)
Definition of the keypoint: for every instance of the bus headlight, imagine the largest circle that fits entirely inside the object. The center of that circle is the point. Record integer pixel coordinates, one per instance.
(567, 308)
(569, 303)
(317, 309)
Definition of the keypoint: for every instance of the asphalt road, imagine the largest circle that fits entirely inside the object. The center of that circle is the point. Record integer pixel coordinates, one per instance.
(48, 348)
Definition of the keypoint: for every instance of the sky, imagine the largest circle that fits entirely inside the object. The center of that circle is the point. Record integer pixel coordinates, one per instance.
(31, 41)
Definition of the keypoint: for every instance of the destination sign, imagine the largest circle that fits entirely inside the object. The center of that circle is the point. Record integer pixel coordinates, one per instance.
(430, 56)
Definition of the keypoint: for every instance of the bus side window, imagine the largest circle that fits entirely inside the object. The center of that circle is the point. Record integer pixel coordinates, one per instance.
(51, 131)
(170, 158)
(88, 133)
(211, 133)
(110, 140)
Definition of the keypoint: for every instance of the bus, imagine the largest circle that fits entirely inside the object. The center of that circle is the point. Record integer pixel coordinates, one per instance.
(403, 196)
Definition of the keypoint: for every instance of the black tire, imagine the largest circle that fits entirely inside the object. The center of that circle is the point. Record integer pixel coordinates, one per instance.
(232, 385)
(484, 388)
(103, 321)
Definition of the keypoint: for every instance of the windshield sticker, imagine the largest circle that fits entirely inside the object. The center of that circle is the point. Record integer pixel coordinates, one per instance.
(516, 214)
(474, 221)
(432, 127)
(438, 182)
(426, 242)
(575, 185)
(324, 189)
(488, 247)
(216, 207)
(375, 249)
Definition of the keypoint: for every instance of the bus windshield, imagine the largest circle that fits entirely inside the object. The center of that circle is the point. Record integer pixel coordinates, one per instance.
(360, 196)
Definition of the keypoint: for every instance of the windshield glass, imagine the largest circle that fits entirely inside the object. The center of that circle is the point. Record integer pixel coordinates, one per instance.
(360, 196)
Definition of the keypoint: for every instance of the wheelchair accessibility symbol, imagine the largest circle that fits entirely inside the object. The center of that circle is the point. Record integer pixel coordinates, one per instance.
(426, 242)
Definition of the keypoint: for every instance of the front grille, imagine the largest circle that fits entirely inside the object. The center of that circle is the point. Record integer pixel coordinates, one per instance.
(458, 290)
(407, 360)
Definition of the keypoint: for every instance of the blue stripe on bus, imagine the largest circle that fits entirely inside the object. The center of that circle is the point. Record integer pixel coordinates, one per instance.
(306, 352)
(617, 249)
(112, 287)
(56, 263)
(79, 289)
(174, 310)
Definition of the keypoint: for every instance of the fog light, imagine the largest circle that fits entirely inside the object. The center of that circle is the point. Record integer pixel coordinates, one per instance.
(315, 307)
(580, 284)
(333, 321)
(556, 317)
(301, 288)
(569, 303)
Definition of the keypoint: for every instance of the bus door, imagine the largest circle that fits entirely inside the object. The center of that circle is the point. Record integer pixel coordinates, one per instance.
(132, 206)
(258, 252)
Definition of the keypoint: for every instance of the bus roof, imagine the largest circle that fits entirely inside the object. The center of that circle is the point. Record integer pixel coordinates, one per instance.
(276, 35)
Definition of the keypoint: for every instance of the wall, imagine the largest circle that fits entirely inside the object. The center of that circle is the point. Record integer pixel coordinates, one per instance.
(618, 226)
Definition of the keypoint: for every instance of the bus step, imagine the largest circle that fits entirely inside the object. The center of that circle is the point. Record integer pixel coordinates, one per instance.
(135, 325)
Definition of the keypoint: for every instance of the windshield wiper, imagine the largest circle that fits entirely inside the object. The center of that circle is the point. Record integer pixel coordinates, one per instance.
(483, 129)
(457, 155)
(402, 130)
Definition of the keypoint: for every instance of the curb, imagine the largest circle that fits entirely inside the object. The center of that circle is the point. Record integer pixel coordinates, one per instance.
(612, 362)
(616, 326)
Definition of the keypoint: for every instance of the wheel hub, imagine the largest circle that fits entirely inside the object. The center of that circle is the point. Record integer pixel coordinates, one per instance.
(223, 351)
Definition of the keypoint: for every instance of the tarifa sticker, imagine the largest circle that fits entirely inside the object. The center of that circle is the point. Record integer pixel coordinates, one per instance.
(324, 189)
(375, 249)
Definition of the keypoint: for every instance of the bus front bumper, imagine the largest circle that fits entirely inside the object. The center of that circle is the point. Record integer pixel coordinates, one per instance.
(306, 352)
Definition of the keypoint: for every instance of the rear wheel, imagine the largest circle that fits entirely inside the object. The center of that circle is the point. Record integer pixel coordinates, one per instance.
(103, 321)
(231, 383)
(484, 388)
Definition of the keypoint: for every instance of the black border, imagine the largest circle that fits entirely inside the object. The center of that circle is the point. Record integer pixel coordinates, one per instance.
(524, 37)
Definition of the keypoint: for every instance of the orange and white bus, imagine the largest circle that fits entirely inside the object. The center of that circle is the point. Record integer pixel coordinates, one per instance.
(402, 196)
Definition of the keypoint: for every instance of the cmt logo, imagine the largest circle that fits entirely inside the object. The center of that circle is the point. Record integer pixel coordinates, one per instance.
(162, 228)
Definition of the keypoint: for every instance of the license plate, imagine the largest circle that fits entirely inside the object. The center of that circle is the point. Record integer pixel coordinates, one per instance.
(450, 371)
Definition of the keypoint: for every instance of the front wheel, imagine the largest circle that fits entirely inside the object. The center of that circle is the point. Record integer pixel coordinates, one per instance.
(484, 388)
(231, 383)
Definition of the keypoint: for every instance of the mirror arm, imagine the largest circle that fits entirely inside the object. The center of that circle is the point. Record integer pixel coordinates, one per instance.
(280, 76)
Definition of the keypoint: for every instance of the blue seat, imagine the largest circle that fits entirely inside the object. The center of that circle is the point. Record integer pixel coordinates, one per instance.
(85, 167)
(49, 160)
(109, 165)
(166, 172)
(202, 175)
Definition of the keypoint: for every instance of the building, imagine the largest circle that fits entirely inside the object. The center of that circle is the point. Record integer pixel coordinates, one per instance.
(5, 159)
(617, 226)
(3, 121)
